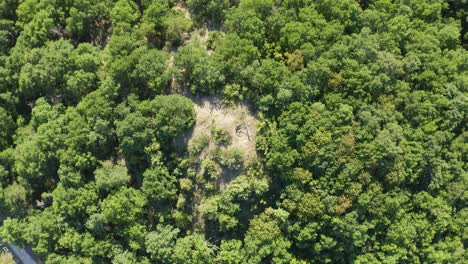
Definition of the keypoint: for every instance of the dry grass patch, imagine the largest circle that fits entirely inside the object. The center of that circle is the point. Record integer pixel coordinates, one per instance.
(225, 127)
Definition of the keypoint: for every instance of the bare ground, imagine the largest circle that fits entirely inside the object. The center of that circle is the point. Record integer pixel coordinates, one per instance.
(181, 6)
(238, 121)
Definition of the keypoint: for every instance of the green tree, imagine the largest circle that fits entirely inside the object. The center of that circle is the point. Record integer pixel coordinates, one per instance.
(197, 70)
(160, 243)
(15, 197)
(111, 176)
(124, 207)
(8, 127)
(208, 11)
(230, 252)
(192, 249)
(264, 240)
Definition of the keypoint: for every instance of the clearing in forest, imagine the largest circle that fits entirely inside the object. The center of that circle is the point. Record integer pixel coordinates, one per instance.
(237, 121)
(221, 131)
(223, 141)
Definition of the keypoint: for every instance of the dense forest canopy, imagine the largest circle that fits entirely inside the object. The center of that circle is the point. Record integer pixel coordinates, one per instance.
(361, 143)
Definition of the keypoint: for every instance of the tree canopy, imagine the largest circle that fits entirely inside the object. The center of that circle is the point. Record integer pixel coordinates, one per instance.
(361, 147)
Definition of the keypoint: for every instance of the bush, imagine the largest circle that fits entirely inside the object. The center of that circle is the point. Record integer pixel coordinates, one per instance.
(212, 169)
(220, 136)
(198, 144)
(231, 158)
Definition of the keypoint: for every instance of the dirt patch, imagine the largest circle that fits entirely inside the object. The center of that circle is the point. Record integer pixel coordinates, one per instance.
(237, 121)
(223, 141)
(182, 7)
